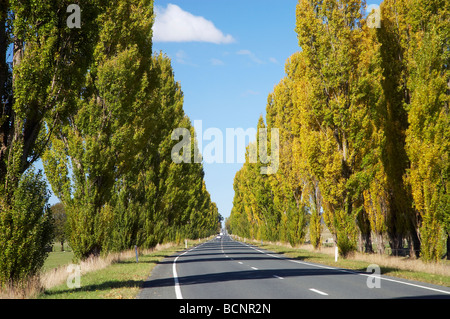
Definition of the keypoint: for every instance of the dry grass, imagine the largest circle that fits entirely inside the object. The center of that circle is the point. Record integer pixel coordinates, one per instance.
(405, 263)
(57, 276)
(401, 263)
(23, 290)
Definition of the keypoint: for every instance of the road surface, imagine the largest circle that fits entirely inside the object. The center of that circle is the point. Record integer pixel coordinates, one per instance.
(226, 269)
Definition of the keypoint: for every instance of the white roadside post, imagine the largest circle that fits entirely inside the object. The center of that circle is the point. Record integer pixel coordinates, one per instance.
(136, 252)
(336, 254)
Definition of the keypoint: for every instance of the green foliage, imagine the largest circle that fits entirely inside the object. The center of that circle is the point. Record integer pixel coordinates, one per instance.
(393, 34)
(315, 229)
(99, 109)
(59, 223)
(331, 36)
(25, 230)
(48, 67)
(428, 134)
(364, 131)
(110, 160)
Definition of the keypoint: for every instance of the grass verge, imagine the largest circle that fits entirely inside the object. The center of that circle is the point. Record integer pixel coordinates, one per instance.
(119, 278)
(400, 267)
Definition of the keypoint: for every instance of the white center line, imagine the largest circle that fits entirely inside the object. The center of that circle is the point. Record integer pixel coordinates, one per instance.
(240, 262)
(278, 277)
(319, 292)
(254, 268)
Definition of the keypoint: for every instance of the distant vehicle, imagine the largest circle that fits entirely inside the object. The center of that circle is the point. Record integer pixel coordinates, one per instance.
(221, 234)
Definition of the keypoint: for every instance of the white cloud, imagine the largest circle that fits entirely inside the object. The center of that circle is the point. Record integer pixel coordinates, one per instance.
(250, 93)
(173, 24)
(182, 58)
(273, 60)
(216, 62)
(251, 55)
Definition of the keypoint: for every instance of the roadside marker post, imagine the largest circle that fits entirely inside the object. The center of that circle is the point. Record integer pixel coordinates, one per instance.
(336, 254)
(137, 255)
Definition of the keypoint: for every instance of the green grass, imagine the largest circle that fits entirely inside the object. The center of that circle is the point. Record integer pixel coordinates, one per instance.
(358, 265)
(57, 257)
(121, 280)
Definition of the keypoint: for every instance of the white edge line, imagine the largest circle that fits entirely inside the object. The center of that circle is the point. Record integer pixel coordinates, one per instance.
(175, 274)
(175, 278)
(349, 271)
(319, 292)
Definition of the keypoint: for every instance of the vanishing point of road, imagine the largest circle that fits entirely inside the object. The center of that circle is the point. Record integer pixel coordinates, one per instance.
(227, 269)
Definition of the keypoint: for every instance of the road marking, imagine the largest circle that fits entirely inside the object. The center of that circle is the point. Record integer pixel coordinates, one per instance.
(278, 277)
(318, 292)
(175, 274)
(254, 268)
(240, 262)
(347, 271)
(409, 284)
(175, 278)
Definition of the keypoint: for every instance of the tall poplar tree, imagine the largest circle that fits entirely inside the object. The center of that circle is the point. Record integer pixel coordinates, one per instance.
(330, 35)
(428, 134)
(36, 89)
(401, 222)
(97, 142)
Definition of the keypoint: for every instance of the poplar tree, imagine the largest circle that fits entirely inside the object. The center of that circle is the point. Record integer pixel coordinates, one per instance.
(306, 145)
(330, 36)
(98, 140)
(401, 222)
(136, 193)
(289, 182)
(428, 134)
(239, 219)
(48, 64)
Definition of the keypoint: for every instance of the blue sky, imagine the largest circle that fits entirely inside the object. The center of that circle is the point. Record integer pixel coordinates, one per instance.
(227, 73)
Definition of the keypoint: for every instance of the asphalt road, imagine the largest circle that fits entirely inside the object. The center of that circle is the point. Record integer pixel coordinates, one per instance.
(226, 269)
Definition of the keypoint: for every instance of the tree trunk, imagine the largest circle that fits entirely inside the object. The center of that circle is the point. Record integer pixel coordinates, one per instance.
(380, 244)
(368, 243)
(414, 244)
(4, 107)
(395, 242)
(448, 246)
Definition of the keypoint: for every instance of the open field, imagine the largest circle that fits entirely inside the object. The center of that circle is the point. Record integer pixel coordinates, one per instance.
(57, 257)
